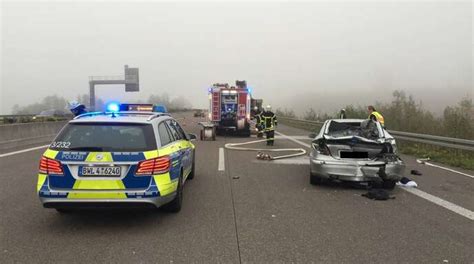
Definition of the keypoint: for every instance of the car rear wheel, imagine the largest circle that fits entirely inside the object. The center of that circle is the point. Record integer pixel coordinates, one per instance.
(175, 205)
(315, 180)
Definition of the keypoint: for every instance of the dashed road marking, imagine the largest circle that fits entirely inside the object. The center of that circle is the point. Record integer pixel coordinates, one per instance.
(21, 151)
(221, 166)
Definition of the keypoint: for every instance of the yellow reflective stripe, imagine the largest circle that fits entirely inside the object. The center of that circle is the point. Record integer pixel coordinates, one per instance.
(150, 154)
(379, 117)
(182, 143)
(98, 185)
(96, 195)
(49, 153)
(164, 184)
(167, 150)
(41, 180)
(106, 157)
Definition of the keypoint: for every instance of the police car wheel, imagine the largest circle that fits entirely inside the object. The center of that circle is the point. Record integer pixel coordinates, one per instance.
(175, 205)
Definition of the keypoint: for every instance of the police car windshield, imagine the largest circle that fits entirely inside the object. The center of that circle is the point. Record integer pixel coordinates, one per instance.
(105, 137)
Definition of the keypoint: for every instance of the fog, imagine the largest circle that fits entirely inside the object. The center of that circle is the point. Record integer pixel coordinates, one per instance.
(294, 55)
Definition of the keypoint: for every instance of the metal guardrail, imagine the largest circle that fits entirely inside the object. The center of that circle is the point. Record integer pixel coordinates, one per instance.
(457, 143)
(15, 119)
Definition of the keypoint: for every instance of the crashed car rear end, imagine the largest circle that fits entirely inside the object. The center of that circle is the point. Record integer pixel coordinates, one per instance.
(355, 150)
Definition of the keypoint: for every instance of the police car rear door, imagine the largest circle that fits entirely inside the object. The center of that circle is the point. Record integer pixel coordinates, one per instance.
(181, 144)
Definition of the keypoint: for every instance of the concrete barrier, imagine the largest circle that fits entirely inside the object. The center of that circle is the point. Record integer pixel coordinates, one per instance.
(20, 135)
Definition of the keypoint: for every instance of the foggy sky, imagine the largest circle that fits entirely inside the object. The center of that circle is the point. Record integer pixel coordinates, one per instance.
(296, 55)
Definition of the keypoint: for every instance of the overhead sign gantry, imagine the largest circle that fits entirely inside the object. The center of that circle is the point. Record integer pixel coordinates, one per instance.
(130, 79)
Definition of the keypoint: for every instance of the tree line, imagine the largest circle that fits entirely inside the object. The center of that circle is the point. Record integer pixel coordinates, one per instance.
(403, 113)
(60, 103)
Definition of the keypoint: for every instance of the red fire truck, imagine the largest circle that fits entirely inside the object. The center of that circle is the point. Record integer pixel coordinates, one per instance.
(229, 108)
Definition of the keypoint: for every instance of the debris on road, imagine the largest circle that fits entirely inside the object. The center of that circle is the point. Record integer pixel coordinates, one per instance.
(416, 172)
(378, 194)
(405, 182)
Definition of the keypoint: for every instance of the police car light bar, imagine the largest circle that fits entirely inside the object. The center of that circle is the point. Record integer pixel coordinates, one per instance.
(112, 107)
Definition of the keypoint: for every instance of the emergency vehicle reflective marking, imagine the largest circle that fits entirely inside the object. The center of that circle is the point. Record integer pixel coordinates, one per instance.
(41, 180)
(21, 151)
(98, 185)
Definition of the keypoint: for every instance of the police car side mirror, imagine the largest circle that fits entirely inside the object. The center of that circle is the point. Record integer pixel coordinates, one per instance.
(312, 135)
(192, 137)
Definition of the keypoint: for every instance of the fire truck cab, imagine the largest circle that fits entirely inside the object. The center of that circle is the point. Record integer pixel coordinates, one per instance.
(229, 108)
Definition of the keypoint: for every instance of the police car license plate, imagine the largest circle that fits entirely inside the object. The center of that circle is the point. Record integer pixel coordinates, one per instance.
(110, 171)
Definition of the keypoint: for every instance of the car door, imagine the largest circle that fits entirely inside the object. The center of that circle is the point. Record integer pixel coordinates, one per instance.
(182, 145)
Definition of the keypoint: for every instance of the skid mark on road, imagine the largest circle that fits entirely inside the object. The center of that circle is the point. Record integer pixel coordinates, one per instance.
(21, 151)
(434, 199)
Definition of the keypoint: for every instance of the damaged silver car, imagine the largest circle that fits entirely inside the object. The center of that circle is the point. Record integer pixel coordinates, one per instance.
(355, 150)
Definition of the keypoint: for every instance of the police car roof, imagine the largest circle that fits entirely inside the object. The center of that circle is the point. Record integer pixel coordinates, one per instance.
(119, 117)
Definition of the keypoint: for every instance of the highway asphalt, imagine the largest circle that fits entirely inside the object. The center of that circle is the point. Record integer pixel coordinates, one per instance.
(248, 212)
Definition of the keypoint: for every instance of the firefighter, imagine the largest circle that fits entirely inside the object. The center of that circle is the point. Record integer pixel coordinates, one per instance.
(342, 114)
(258, 122)
(269, 122)
(375, 116)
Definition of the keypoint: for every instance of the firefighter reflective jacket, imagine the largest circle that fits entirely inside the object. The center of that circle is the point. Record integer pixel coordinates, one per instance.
(258, 120)
(378, 117)
(269, 120)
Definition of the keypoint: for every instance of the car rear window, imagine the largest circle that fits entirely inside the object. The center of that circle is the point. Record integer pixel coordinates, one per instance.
(336, 127)
(105, 137)
(367, 129)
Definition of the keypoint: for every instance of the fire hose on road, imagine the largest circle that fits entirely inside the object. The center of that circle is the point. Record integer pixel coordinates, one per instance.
(260, 151)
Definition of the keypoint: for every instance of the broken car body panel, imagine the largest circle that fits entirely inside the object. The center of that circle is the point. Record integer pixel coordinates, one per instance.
(355, 150)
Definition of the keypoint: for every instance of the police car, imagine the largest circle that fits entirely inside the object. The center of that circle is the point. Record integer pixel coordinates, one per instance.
(118, 158)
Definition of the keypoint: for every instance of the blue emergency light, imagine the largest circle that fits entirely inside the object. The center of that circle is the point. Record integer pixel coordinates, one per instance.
(112, 107)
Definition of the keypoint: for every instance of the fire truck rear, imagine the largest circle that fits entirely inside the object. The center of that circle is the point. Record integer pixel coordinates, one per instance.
(229, 108)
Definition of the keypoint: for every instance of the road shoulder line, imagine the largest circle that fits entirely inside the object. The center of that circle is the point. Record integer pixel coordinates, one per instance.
(22, 151)
(443, 203)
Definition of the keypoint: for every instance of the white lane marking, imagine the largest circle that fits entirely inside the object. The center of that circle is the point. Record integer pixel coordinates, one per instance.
(448, 169)
(221, 166)
(292, 161)
(434, 199)
(21, 151)
(443, 203)
(293, 139)
(282, 137)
